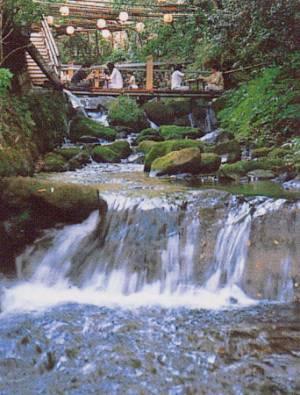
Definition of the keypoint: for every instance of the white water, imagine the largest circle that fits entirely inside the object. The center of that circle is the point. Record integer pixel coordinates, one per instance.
(75, 102)
(106, 278)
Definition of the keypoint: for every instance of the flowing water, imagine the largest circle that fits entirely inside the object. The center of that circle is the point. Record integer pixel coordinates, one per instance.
(176, 290)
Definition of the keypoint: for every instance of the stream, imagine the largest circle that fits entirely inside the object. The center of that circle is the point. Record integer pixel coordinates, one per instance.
(179, 289)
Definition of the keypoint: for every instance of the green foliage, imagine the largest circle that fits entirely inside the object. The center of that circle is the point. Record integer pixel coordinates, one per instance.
(171, 132)
(81, 126)
(266, 104)
(124, 111)
(5, 79)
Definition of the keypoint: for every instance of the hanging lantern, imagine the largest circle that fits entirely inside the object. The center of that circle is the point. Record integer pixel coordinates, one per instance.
(168, 18)
(123, 17)
(64, 10)
(139, 27)
(70, 30)
(101, 23)
(50, 20)
(106, 34)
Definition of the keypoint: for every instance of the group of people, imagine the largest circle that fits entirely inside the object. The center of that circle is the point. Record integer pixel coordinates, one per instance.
(214, 82)
(112, 78)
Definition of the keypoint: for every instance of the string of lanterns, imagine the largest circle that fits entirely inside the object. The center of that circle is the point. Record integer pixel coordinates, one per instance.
(102, 25)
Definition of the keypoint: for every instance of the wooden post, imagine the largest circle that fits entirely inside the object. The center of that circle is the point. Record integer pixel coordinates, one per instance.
(149, 73)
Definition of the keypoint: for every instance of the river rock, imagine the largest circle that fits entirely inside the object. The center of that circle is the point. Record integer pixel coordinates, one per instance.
(171, 132)
(54, 163)
(187, 160)
(78, 161)
(260, 174)
(50, 202)
(210, 163)
(231, 149)
(81, 126)
(112, 153)
(163, 148)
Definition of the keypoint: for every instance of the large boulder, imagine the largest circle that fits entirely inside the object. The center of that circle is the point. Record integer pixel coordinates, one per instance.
(49, 202)
(112, 153)
(171, 132)
(124, 111)
(149, 134)
(163, 148)
(145, 146)
(159, 113)
(54, 163)
(81, 126)
(210, 163)
(187, 160)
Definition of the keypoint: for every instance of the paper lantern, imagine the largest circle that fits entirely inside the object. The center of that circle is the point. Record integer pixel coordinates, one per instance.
(106, 34)
(101, 23)
(140, 27)
(50, 20)
(64, 10)
(168, 18)
(123, 16)
(70, 30)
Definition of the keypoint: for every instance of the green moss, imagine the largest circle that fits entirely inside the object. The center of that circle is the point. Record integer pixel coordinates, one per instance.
(112, 153)
(179, 107)
(149, 134)
(68, 153)
(260, 152)
(279, 152)
(241, 168)
(145, 146)
(171, 132)
(50, 202)
(124, 111)
(187, 160)
(81, 126)
(210, 163)
(163, 148)
(54, 162)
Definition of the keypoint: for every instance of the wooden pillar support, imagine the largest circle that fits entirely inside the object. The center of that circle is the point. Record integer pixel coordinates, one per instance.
(149, 73)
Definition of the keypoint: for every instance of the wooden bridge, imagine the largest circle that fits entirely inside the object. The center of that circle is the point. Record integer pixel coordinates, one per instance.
(44, 68)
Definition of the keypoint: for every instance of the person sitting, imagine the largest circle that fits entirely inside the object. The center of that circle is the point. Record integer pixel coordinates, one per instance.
(215, 81)
(81, 77)
(115, 80)
(131, 82)
(176, 79)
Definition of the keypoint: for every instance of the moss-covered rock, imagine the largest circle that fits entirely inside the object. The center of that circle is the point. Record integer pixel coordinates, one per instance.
(68, 153)
(187, 160)
(112, 153)
(232, 148)
(260, 152)
(15, 162)
(239, 169)
(149, 134)
(79, 160)
(124, 111)
(145, 146)
(163, 148)
(159, 113)
(171, 132)
(81, 126)
(210, 163)
(54, 162)
(50, 202)
(279, 152)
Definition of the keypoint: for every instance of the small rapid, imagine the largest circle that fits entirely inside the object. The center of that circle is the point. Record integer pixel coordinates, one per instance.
(145, 252)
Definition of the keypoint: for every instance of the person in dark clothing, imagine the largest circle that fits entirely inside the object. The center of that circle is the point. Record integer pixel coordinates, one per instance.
(79, 78)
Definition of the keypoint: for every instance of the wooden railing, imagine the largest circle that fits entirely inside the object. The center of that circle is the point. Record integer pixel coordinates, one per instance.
(51, 47)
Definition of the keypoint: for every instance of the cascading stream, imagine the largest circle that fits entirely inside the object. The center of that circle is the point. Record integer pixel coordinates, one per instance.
(145, 252)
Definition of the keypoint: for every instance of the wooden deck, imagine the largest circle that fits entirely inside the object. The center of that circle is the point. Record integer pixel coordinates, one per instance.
(145, 93)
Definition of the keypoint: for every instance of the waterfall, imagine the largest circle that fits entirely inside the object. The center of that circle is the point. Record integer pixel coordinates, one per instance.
(146, 251)
(210, 120)
(75, 102)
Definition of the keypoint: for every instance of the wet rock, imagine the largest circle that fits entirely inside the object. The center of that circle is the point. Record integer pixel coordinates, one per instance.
(50, 202)
(187, 160)
(68, 153)
(260, 152)
(88, 140)
(78, 161)
(145, 146)
(112, 153)
(171, 132)
(159, 113)
(149, 134)
(232, 148)
(54, 163)
(260, 174)
(217, 136)
(163, 148)
(210, 163)
(82, 126)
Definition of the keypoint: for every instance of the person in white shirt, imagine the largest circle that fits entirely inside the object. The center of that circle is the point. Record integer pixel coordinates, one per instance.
(131, 82)
(115, 79)
(176, 79)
